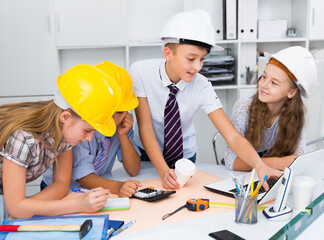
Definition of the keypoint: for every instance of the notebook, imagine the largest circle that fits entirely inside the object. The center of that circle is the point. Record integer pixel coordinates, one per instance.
(116, 204)
(309, 164)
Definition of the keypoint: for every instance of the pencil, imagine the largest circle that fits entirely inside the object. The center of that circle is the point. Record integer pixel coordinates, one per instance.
(252, 186)
(259, 185)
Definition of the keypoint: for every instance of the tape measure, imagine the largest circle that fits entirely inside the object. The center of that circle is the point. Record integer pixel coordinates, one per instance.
(198, 205)
(201, 204)
(230, 205)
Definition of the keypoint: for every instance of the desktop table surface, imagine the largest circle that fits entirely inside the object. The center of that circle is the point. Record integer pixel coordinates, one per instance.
(201, 227)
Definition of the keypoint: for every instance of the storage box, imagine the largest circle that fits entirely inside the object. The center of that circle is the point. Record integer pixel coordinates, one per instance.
(273, 29)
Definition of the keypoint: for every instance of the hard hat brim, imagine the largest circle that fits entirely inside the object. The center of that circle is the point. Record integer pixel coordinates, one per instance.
(108, 129)
(129, 105)
(214, 47)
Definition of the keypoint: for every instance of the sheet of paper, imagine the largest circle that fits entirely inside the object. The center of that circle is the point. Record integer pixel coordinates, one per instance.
(149, 214)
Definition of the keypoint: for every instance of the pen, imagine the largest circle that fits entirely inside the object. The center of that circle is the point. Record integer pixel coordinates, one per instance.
(84, 190)
(110, 232)
(235, 182)
(248, 188)
(119, 230)
(77, 190)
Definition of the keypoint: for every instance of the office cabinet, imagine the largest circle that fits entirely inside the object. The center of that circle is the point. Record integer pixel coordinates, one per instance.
(87, 23)
(28, 57)
(316, 21)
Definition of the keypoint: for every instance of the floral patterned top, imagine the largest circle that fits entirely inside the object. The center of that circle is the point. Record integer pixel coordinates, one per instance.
(240, 120)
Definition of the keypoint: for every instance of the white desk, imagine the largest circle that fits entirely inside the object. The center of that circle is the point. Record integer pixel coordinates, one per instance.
(199, 228)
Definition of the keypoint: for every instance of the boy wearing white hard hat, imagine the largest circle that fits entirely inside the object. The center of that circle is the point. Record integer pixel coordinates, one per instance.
(273, 118)
(171, 91)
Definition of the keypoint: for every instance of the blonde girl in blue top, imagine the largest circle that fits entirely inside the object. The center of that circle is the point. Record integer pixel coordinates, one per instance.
(35, 135)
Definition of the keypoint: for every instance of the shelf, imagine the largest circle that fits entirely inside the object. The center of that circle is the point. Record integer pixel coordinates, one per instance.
(89, 47)
(157, 43)
(225, 87)
(145, 43)
(273, 40)
(250, 86)
(316, 40)
(227, 41)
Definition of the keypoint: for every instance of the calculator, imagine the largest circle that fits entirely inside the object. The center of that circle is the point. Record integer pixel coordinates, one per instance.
(151, 194)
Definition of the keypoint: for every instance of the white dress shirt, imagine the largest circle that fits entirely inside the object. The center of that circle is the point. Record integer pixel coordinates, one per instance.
(150, 81)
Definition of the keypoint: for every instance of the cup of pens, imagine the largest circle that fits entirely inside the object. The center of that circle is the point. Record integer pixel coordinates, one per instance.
(246, 203)
(246, 209)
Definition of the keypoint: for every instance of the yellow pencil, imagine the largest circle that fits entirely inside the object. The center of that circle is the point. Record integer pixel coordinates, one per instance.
(259, 185)
(252, 186)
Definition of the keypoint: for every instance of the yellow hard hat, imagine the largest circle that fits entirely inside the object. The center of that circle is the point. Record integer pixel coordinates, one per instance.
(120, 75)
(92, 95)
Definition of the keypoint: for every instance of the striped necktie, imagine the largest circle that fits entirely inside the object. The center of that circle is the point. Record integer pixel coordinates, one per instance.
(100, 161)
(173, 149)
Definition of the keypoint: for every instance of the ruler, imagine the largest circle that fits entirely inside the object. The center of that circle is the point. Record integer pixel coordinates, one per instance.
(230, 205)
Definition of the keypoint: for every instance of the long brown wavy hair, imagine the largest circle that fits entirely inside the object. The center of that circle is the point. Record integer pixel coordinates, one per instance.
(33, 117)
(291, 123)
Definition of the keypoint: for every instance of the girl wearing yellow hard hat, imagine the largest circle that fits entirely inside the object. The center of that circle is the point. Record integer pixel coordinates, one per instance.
(35, 135)
(92, 160)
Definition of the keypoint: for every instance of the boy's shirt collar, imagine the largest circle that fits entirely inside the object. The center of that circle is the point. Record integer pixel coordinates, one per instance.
(166, 80)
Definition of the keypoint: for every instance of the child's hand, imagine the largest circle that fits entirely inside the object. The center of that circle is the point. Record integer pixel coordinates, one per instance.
(128, 188)
(263, 170)
(93, 201)
(169, 180)
(125, 125)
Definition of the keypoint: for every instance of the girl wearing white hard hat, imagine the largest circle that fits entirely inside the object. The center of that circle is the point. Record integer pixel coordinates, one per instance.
(35, 135)
(273, 118)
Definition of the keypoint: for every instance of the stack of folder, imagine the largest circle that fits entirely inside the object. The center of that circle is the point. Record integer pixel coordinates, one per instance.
(219, 70)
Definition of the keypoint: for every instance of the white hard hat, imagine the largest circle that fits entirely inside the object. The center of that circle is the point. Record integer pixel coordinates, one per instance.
(300, 62)
(192, 25)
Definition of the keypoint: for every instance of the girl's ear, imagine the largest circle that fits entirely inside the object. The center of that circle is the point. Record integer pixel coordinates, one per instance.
(292, 92)
(65, 116)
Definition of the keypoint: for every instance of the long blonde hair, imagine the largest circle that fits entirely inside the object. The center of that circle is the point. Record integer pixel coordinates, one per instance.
(33, 117)
(291, 123)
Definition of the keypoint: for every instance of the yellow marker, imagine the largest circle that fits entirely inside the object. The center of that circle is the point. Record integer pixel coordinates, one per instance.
(230, 205)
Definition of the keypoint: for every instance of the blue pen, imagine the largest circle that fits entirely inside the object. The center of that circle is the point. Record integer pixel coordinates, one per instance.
(122, 228)
(235, 182)
(237, 188)
(77, 190)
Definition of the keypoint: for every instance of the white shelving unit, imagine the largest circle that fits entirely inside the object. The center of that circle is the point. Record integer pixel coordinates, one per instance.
(40, 42)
